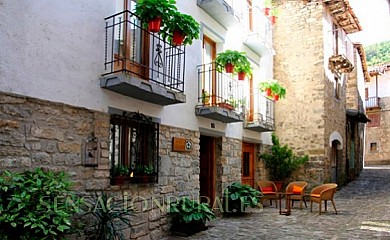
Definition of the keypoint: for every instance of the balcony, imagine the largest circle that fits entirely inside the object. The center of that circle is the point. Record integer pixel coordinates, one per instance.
(140, 64)
(220, 96)
(224, 12)
(340, 64)
(259, 38)
(260, 118)
(373, 103)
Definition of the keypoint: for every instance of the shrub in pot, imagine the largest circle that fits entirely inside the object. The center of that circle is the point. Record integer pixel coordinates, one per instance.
(237, 196)
(281, 162)
(155, 12)
(189, 216)
(181, 29)
(243, 69)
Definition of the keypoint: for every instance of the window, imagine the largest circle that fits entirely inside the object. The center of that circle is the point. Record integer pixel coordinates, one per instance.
(134, 147)
(373, 146)
(337, 87)
(366, 93)
(375, 120)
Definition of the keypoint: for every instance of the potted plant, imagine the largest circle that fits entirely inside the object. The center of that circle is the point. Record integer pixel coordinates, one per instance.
(205, 97)
(181, 29)
(155, 12)
(189, 216)
(237, 196)
(121, 172)
(228, 59)
(243, 68)
(274, 15)
(267, 7)
(272, 89)
(281, 162)
(266, 88)
(111, 217)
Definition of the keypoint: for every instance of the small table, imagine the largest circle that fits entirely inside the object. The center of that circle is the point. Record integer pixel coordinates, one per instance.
(287, 211)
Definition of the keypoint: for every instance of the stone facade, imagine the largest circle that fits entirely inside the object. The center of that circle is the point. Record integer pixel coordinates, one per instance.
(379, 135)
(311, 113)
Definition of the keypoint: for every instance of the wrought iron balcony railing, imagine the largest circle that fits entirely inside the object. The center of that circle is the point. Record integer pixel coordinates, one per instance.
(132, 49)
(260, 116)
(221, 93)
(373, 102)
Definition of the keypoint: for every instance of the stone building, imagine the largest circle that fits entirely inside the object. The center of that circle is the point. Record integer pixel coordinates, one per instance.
(317, 64)
(378, 105)
(85, 89)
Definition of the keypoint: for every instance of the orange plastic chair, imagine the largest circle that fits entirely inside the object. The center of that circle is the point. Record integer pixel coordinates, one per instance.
(269, 191)
(324, 192)
(298, 192)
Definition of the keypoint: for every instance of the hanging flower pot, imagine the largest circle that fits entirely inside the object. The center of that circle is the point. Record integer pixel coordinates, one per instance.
(241, 75)
(276, 97)
(268, 92)
(177, 38)
(273, 19)
(229, 68)
(154, 24)
(266, 11)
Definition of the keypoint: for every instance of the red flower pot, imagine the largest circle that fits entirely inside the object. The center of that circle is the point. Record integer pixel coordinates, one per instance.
(154, 24)
(266, 11)
(229, 68)
(276, 97)
(241, 75)
(273, 20)
(268, 92)
(178, 38)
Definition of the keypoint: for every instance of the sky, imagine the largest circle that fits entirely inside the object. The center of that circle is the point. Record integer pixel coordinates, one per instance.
(374, 17)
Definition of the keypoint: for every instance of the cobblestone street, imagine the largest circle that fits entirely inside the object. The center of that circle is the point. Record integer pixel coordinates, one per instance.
(363, 213)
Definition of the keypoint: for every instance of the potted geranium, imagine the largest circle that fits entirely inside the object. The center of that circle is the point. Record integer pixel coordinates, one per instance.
(181, 29)
(189, 216)
(155, 12)
(243, 69)
(273, 89)
(229, 59)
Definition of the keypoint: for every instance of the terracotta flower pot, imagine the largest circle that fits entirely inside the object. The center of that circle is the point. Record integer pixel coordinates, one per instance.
(241, 75)
(266, 11)
(229, 68)
(273, 20)
(276, 97)
(154, 24)
(177, 38)
(268, 92)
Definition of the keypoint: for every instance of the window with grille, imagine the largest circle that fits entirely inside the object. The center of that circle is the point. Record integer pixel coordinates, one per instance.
(133, 149)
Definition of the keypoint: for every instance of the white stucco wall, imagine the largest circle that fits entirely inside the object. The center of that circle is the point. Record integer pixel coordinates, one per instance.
(383, 82)
(54, 50)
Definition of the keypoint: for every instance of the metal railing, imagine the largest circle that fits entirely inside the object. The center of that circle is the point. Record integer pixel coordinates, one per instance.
(372, 102)
(263, 111)
(261, 26)
(132, 49)
(217, 88)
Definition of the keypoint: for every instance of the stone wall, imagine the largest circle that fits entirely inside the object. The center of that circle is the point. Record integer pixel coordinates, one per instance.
(36, 133)
(299, 67)
(379, 135)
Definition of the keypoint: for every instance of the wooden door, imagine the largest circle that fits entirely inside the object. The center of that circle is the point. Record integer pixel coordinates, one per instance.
(207, 169)
(132, 53)
(209, 80)
(247, 164)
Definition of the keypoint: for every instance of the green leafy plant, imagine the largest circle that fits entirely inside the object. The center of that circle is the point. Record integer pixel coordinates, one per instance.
(189, 216)
(205, 97)
(149, 170)
(36, 205)
(184, 24)
(121, 170)
(151, 9)
(274, 87)
(111, 216)
(281, 162)
(230, 57)
(238, 196)
(245, 68)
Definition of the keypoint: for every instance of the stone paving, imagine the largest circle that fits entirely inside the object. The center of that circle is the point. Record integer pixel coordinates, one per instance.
(363, 213)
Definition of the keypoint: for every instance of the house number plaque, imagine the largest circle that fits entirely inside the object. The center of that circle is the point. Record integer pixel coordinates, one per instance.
(181, 145)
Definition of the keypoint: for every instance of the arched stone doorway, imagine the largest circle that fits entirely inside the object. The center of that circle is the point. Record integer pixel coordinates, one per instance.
(336, 164)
